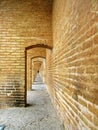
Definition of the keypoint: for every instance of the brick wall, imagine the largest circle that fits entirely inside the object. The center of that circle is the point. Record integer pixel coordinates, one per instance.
(42, 70)
(22, 23)
(72, 66)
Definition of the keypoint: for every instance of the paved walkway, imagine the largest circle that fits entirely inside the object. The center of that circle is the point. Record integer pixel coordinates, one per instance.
(39, 115)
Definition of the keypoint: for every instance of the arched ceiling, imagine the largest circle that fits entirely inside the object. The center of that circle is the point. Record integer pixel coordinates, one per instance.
(38, 59)
(36, 52)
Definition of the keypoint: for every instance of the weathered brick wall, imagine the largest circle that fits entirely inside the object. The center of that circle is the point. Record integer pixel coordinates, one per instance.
(42, 70)
(50, 69)
(72, 66)
(22, 23)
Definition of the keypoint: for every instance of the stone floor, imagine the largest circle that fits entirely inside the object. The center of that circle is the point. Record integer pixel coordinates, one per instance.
(39, 115)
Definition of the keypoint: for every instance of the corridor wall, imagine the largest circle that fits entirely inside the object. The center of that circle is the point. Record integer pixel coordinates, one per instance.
(72, 65)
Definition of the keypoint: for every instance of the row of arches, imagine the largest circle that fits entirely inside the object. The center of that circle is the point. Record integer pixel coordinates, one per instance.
(35, 61)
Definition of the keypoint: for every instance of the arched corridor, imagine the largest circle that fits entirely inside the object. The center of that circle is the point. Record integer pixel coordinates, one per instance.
(57, 40)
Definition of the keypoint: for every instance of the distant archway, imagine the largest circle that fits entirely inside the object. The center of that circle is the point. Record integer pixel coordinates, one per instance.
(42, 69)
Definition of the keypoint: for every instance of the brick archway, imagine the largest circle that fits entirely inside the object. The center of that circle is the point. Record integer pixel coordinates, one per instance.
(27, 48)
(39, 45)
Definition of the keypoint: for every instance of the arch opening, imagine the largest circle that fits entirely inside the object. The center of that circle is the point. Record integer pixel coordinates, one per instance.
(42, 57)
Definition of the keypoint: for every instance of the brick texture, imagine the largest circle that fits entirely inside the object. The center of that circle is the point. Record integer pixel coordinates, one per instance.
(72, 66)
(22, 23)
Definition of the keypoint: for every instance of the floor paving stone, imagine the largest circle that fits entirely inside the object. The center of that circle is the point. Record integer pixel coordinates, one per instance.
(39, 115)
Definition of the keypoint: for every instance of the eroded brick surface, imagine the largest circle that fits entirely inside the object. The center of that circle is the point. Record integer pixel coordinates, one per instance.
(71, 71)
(72, 66)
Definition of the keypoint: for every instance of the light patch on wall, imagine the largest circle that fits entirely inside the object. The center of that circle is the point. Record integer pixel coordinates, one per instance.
(94, 6)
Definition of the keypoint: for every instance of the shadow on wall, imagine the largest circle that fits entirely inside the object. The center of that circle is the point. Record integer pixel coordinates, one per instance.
(12, 90)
